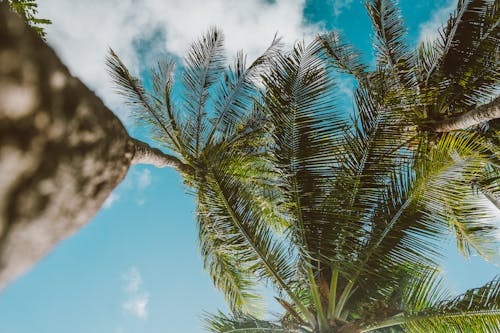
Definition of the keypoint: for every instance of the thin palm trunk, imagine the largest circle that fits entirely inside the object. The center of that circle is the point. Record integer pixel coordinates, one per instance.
(145, 154)
(477, 116)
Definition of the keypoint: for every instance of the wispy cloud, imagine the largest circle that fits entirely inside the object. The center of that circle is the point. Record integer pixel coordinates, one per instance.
(429, 30)
(140, 179)
(82, 31)
(113, 197)
(340, 5)
(143, 178)
(137, 298)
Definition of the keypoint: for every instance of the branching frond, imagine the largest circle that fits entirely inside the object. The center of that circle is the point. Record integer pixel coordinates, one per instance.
(392, 50)
(241, 323)
(342, 55)
(239, 222)
(301, 109)
(236, 91)
(141, 101)
(205, 63)
(464, 62)
(420, 207)
(477, 310)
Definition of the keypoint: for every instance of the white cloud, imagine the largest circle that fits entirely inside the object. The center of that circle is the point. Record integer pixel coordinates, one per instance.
(132, 280)
(113, 197)
(137, 306)
(140, 179)
(340, 5)
(137, 299)
(143, 178)
(429, 30)
(82, 31)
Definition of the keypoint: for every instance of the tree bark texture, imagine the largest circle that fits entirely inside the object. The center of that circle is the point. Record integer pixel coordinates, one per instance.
(62, 151)
(483, 113)
(145, 154)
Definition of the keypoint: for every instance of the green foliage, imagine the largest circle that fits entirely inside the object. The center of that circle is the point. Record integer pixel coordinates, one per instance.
(342, 215)
(28, 9)
(215, 125)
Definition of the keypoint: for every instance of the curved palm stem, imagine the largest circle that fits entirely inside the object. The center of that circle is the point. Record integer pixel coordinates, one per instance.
(145, 154)
(323, 324)
(333, 293)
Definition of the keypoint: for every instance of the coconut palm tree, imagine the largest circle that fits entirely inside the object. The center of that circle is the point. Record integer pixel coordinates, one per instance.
(451, 82)
(209, 124)
(447, 84)
(362, 215)
(336, 213)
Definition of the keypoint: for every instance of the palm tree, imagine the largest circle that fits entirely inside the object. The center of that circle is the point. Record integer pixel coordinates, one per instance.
(211, 126)
(337, 214)
(450, 83)
(357, 248)
(447, 84)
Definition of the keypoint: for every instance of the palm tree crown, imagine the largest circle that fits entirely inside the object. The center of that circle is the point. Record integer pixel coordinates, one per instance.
(342, 216)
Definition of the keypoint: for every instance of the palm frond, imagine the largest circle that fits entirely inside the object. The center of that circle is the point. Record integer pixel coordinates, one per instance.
(477, 310)
(140, 100)
(241, 323)
(236, 91)
(301, 108)
(424, 290)
(205, 63)
(162, 78)
(465, 63)
(234, 180)
(226, 266)
(342, 56)
(392, 50)
(420, 207)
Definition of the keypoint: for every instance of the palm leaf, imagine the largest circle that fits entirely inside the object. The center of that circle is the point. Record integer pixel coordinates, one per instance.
(140, 100)
(300, 107)
(236, 92)
(342, 55)
(392, 50)
(465, 65)
(205, 63)
(241, 323)
(477, 310)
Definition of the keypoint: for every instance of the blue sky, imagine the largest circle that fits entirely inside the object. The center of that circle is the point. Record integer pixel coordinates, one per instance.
(135, 268)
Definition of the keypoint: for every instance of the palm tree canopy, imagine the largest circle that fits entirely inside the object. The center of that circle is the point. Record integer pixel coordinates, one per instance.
(341, 215)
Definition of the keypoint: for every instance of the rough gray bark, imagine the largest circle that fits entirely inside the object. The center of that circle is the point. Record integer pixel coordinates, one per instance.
(62, 151)
(483, 113)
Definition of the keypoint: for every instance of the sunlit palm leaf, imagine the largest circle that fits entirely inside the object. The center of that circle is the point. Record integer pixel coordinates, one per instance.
(241, 323)
(205, 63)
(143, 104)
(477, 310)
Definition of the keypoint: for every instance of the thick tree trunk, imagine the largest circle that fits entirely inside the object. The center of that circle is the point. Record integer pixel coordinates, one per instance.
(62, 151)
(483, 113)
